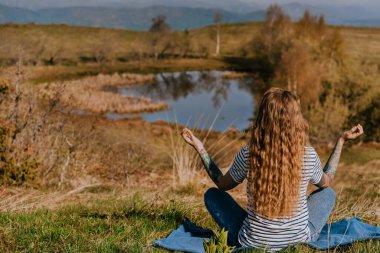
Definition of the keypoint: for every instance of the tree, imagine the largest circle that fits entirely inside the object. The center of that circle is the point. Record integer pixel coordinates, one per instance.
(300, 73)
(186, 44)
(311, 29)
(103, 49)
(275, 15)
(274, 37)
(157, 39)
(159, 25)
(217, 21)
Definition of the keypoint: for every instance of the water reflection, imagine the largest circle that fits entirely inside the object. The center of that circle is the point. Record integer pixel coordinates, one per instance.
(196, 98)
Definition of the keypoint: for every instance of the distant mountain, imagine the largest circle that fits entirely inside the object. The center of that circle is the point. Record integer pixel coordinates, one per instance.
(337, 15)
(122, 17)
(177, 17)
(15, 15)
(235, 6)
(228, 5)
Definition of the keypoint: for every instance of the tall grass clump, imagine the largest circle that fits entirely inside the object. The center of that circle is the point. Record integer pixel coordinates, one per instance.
(187, 165)
(184, 161)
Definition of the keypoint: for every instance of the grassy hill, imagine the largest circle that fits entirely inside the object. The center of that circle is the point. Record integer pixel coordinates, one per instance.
(72, 43)
(73, 51)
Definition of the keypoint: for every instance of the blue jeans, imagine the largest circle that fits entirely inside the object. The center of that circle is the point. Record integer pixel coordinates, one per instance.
(230, 216)
(320, 204)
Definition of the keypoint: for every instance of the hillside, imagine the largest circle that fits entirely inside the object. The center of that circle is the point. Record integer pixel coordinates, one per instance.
(73, 44)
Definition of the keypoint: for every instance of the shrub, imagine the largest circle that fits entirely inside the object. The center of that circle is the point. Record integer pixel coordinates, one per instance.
(369, 117)
(327, 118)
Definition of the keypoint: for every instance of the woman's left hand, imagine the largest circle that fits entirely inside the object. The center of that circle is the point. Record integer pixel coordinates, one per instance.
(353, 133)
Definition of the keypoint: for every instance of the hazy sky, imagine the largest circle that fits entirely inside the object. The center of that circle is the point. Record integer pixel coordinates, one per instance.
(322, 2)
(58, 3)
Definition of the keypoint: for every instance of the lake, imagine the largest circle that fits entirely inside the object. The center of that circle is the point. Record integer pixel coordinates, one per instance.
(198, 99)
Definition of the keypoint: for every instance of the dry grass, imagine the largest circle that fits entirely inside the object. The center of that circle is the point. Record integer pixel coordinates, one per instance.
(185, 163)
(187, 166)
(151, 206)
(235, 75)
(69, 43)
(88, 94)
(358, 192)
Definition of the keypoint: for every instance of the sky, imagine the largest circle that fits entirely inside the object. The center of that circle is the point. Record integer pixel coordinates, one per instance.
(321, 2)
(59, 3)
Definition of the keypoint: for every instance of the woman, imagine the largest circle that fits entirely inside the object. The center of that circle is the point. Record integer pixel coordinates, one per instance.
(278, 167)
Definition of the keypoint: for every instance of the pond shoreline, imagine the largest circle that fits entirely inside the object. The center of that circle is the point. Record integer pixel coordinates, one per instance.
(204, 99)
(54, 73)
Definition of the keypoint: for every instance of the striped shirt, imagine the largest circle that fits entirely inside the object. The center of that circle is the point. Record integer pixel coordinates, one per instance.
(277, 233)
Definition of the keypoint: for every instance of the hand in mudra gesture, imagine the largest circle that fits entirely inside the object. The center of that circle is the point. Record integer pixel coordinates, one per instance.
(353, 133)
(189, 137)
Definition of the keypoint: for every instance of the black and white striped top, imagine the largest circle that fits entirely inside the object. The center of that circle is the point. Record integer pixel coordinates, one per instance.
(278, 233)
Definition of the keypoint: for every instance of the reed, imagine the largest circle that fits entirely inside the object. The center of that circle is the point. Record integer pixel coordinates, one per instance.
(88, 94)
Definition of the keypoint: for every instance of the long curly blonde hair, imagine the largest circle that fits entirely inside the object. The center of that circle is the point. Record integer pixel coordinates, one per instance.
(276, 153)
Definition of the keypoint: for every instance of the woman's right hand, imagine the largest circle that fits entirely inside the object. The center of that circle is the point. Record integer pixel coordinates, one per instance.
(189, 137)
(353, 133)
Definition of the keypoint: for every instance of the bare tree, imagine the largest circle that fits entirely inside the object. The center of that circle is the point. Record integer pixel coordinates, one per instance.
(159, 25)
(217, 21)
(274, 37)
(157, 41)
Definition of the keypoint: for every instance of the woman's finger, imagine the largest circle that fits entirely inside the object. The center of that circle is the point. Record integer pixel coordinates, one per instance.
(361, 129)
(358, 129)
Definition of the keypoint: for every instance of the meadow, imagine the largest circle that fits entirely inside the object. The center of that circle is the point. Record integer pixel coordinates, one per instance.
(81, 183)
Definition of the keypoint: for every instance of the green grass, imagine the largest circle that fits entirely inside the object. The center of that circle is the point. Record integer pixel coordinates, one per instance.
(114, 225)
(108, 226)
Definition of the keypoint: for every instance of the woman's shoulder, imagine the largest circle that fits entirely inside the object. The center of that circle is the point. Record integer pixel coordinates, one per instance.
(310, 151)
(245, 151)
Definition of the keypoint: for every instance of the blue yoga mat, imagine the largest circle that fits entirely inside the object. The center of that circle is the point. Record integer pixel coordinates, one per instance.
(189, 238)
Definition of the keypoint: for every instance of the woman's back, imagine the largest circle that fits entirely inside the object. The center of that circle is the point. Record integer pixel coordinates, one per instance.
(276, 233)
(278, 168)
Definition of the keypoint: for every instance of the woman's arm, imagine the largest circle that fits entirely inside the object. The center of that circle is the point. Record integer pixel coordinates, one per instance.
(212, 169)
(223, 182)
(333, 161)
